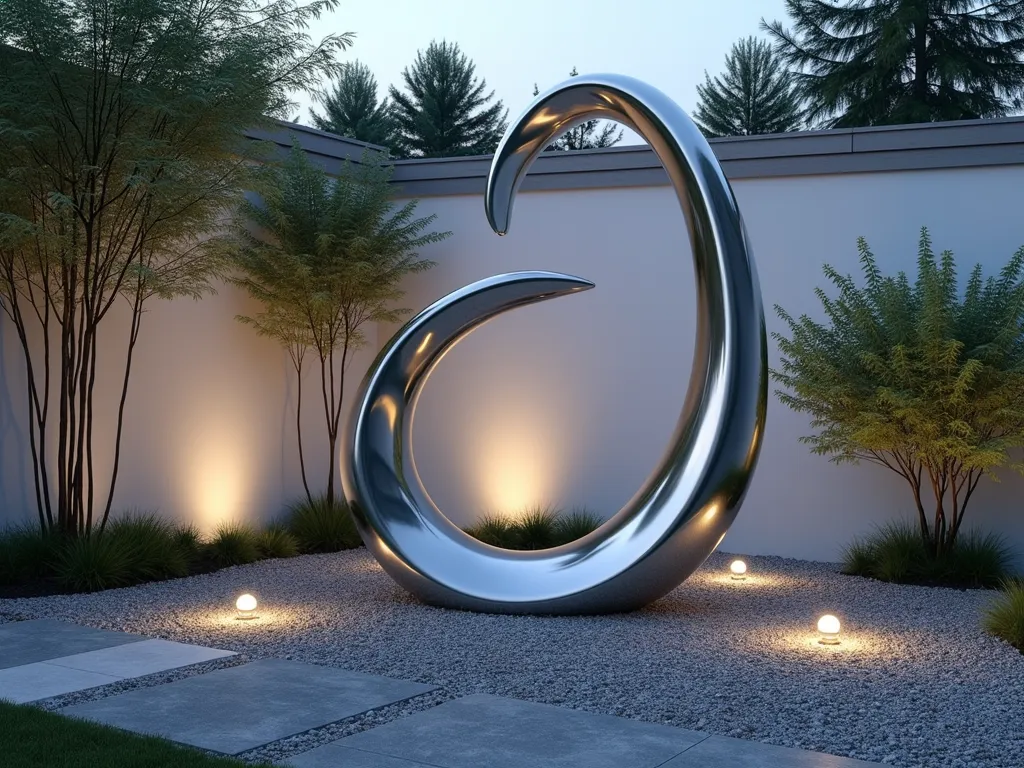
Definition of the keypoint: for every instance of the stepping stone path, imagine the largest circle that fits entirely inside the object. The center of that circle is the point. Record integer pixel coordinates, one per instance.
(239, 708)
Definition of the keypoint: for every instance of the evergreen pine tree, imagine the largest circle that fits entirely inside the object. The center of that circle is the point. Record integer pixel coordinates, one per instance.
(445, 110)
(351, 107)
(753, 96)
(586, 135)
(878, 62)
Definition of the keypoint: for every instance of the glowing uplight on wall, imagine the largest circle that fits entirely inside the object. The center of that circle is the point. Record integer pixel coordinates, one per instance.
(218, 475)
(517, 462)
(828, 630)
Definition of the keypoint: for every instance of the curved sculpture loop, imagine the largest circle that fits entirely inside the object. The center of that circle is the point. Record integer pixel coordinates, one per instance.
(686, 506)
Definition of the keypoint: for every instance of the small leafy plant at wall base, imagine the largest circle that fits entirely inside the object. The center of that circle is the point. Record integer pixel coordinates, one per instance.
(1005, 616)
(897, 554)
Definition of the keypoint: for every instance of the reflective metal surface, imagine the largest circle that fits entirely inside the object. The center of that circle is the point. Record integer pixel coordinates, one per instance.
(687, 504)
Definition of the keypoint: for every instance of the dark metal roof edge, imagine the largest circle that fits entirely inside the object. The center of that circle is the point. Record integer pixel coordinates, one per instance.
(313, 140)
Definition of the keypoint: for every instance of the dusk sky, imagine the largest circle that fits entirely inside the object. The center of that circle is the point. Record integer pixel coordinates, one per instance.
(667, 43)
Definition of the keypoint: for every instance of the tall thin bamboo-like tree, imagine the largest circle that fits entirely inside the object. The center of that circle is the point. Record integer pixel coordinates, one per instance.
(589, 135)
(878, 62)
(121, 148)
(754, 95)
(446, 109)
(352, 109)
(325, 258)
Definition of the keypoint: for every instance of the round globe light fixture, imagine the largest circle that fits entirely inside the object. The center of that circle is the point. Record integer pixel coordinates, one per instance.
(828, 629)
(246, 606)
(739, 570)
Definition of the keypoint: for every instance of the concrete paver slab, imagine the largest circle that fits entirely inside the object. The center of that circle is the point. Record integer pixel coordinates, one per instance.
(497, 732)
(740, 753)
(239, 708)
(333, 756)
(26, 642)
(143, 658)
(32, 682)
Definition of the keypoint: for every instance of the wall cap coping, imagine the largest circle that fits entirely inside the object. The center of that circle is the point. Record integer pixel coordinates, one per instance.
(957, 144)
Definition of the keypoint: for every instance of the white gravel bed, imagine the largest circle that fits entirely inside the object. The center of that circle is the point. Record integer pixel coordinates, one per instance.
(915, 682)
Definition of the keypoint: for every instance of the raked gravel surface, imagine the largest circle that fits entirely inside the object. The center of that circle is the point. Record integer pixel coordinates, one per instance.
(915, 682)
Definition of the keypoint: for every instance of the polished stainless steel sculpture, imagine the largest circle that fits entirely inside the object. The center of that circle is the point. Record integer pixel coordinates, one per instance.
(686, 506)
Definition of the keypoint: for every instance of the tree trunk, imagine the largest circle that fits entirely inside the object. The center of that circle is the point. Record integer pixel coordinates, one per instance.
(327, 390)
(921, 54)
(133, 337)
(336, 405)
(296, 355)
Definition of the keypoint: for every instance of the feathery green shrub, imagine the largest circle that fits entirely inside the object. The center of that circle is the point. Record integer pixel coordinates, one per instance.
(917, 376)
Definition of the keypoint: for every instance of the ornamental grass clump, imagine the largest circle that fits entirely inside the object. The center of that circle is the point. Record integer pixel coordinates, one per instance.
(575, 525)
(150, 545)
(1005, 616)
(919, 377)
(93, 562)
(233, 544)
(321, 524)
(26, 554)
(276, 541)
(535, 528)
(896, 553)
(495, 530)
(188, 539)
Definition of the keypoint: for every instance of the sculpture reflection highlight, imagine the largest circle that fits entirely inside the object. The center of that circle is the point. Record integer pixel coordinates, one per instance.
(684, 509)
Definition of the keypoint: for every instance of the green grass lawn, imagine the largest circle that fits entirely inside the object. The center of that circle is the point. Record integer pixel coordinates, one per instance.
(33, 738)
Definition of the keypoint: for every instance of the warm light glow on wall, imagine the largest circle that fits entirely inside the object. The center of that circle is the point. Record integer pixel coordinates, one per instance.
(517, 462)
(218, 476)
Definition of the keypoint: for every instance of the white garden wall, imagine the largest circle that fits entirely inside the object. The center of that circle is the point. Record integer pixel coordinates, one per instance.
(569, 402)
(209, 422)
(572, 401)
